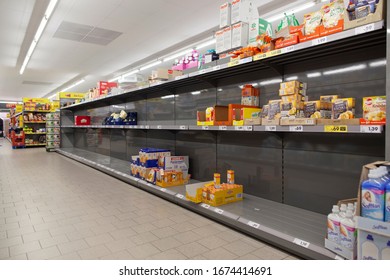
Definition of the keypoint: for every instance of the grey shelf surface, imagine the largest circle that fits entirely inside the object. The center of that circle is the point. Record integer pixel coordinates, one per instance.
(299, 231)
(365, 129)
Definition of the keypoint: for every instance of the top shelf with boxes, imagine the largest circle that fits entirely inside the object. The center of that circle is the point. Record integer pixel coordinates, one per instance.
(343, 42)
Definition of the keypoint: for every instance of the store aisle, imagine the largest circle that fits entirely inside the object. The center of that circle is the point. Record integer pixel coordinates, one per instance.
(55, 208)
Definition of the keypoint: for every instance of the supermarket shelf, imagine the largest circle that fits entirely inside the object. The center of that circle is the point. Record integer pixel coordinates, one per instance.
(365, 129)
(293, 229)
(357, 38)
(35, 122)
(35, 145)
(42, 133)
(29, 111)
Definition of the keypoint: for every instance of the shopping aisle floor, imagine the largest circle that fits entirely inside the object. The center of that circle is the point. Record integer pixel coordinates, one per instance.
(52, 207)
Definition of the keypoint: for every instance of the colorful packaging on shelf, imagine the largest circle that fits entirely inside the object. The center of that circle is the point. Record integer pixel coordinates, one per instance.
(241, 11)
(312, 22)
(171, 178)
(311, 109)
(333, 18)
(250, 96)
(264, 112)
(274, 109)
(227, 38)
(374, 109)
(289, 109)
(343, 109)
(178, 163)
(326, 105)
(294, 98)
(226, 193)
(82, 120)
(257, 27)
(291, 91)
(219, 43)
(359, 13)
(293, 84)
(149, 157)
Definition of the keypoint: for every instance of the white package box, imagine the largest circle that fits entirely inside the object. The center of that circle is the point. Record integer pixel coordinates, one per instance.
(219, 41)
(224, 15)
(241, 11)
(239, 35)
(227, 38)
(258, 26)
(373, 246)
(181, 163)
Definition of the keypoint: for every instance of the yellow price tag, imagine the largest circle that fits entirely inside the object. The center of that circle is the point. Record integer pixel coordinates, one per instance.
(259, 56)
(233, 63)
(274, 53)
(336, 128)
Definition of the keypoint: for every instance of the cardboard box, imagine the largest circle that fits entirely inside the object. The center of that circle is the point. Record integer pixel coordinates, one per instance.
(194, 192)
(222, 197)
(311, 109)
(291, 91)
(240, 115)
(150, 157)
(241, 11)
(178, 163)
(296, 121)
(165, 74)
(219, 44)
(171, 178)
(268, 122)
(378, 246)
(232, 111)
(343, 108)
(253, 121)
(332, 30)
(224, 15)
(287, 41)
(274, 109)
(374, 109)
(250, 96)
(371, 225)
(340, 250)
(218, 116)
(293, 98)
(293, 84)
(289, 109)
(352, 21)
(227, 38)
(82, 120)
(239, 35)
(259, 26)
(326, 105)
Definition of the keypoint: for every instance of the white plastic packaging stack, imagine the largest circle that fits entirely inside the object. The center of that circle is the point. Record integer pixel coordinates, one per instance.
(334, 225)
(348, 231)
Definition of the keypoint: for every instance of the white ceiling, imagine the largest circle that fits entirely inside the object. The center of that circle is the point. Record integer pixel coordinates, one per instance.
(147, 26)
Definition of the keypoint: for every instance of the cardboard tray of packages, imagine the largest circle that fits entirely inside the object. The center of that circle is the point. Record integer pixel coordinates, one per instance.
(338, 122)
(298, 121)
(254, 121)
(221, 117)
(340, 250)
(223, 197)
(377, 16)
(232, 108)
(270, 122)
(194, 192)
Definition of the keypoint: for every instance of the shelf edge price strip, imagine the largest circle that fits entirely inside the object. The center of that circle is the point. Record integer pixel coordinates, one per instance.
(233, 63)
(180, 196)
(223, 127)
(301, 243)
(298, 128)
(319, 41)
(239, 128)
(335, 128)
(219, 211)
(205, 127)
(365, 29)
(270, 128)
(206, 206)
(253, 224)
(370, 129)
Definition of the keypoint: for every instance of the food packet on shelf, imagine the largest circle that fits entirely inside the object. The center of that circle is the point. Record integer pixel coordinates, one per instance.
(312, 21)
(332, 13)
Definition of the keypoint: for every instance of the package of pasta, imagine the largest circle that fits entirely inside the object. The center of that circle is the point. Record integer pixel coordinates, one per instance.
(312, 21)
(332, 13)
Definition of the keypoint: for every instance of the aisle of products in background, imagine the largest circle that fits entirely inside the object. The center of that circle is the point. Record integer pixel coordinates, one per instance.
(243, 34)
(364, 231)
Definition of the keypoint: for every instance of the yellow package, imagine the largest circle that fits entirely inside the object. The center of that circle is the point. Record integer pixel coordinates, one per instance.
(288, 109)
(293, 97)
(291, 90)
(343, 109)
(293, 84)
(374, 109)
(274, 109)
(311, 109)
(326, 105)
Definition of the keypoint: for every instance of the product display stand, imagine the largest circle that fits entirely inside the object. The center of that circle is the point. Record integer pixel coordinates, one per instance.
(52, 131)
(291, 174)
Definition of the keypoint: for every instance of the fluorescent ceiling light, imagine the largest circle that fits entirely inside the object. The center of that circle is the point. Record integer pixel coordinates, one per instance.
(255, 84)
(293, 78)
(346, 69)
(114, 79)
(292, 11)
(130, 73)
(38, 34)
(168, 96)
(378, 63)
(241, 87)
(270, 82)
(176, 55)
(195, 92)
(219, 89)
(206, 44)
(54, 95)
(150, 65)
(8, 102)
(314, 74)
(73, 85)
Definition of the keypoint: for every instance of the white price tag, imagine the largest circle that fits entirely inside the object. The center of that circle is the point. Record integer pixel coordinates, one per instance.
(163, 190)
(122, 126)
(141, 126)
(183, 127)
(298, 128)
(319, 41)
(246, 60)
(181, 77)
(159, 127)
(219, 211)
(147, 127)
(205, 127)
(180, 196)
(200, 72)
(223, 127)
(370, 128)
(270, 128)
(239, 128)
(248, 128)
(205, 205)
(253, 224)
(301, 243)
(215, 68)
(289, 49)
(364, 29)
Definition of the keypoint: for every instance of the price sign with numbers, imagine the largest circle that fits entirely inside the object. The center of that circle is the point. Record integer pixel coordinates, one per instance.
(319, 41)
(180, 196)
(159, 127)
(270, 128)
(246, 60)
(253, 224)
(248, 128)
(223, 127)
(364, 29)
(301, 243)
(233, 63)
(183, 127)
(259, 56)
(289, 49)
(274, 53)
(370, 129)
(204, 205)
(205, 127)
(239, 128)
(215, 68)
(298, 128)
(336, 128)
(219, 211)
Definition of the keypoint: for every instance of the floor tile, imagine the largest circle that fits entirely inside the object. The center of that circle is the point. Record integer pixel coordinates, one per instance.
(44, 254)
(171, 254)
(166, 243)
(72, 246)
(94, 253)
(219, 254)
(269, 253)
(239, 247)
(99, 239)
(191, 250)
(143, 238)
(24, 248)
(143, 251)
(52, 241)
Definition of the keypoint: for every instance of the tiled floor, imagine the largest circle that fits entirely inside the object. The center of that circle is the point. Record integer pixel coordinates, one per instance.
(52, 207)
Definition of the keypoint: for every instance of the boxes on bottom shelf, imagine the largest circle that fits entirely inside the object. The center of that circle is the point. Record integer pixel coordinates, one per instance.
(171, 178)
(194, 192)
(226, 194)
(340, 250)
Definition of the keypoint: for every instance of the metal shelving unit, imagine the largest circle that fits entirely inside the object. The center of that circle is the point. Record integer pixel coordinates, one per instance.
(303, 152)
